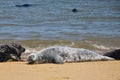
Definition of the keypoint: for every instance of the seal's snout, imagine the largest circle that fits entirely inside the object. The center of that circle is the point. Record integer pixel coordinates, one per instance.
(23, 50)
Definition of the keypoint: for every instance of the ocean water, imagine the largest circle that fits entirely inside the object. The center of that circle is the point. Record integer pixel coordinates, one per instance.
(96, 25)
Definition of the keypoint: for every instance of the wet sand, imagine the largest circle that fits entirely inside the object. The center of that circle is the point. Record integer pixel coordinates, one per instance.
(101, 70)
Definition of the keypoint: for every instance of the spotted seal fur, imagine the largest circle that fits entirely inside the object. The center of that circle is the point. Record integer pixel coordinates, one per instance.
(59, 55)
(11, 51)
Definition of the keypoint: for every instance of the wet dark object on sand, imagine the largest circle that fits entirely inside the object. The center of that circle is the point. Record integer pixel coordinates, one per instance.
(24, 5)
(113, 54)
(74, 10)
(11, 51)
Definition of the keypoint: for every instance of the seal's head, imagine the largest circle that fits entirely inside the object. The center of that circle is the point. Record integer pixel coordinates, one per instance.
(18, 46)
(16, 50)
(31, 58)
(74, 10)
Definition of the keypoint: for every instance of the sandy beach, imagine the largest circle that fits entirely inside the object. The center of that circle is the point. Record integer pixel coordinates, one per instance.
(39, 24)
(101, 70)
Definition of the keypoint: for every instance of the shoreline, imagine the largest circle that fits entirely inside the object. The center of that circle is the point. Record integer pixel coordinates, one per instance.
(99, 45)
(98, 70)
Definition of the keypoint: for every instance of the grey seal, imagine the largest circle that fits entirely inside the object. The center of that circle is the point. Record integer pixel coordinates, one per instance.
(11, 51)
(60, 54)
(113, 54)
(23, 5)
(74, 10)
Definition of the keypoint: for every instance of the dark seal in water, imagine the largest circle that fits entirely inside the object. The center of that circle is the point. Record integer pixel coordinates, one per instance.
(74, 10)
(24, 5)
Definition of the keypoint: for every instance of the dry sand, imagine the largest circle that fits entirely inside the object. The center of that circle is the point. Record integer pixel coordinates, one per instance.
(101, 70)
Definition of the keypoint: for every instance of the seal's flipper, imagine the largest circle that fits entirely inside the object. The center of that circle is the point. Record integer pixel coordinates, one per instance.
(58, 60)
